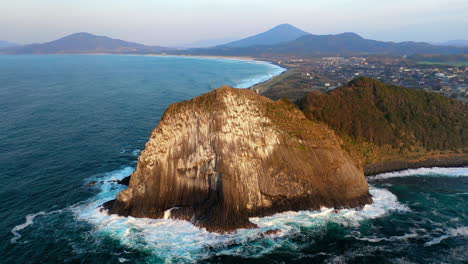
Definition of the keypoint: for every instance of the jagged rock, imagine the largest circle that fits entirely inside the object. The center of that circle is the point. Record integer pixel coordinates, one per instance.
(231, 154)
(125, 181)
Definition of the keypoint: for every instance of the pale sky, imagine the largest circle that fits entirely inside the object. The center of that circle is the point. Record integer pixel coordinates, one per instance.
(174, 22)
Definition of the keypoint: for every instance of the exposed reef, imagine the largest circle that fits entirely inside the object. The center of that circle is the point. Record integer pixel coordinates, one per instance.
(231, 154)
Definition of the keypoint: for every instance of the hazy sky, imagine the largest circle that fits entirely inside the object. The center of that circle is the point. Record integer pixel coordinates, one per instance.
(173, 22)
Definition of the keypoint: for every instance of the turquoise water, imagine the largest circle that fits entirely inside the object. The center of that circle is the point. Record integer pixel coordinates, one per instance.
(71, 120)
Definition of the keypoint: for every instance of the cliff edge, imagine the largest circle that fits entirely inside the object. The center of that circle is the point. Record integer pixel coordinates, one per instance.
(231, 154)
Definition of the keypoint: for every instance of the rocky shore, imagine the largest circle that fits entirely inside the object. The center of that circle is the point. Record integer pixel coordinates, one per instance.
(438, 161)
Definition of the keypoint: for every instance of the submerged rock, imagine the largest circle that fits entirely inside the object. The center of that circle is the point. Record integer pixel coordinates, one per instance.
(231, 154)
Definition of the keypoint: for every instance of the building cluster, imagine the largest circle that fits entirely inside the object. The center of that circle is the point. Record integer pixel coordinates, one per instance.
(332, 72)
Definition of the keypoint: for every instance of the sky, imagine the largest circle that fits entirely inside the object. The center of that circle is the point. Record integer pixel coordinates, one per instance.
(177, 22)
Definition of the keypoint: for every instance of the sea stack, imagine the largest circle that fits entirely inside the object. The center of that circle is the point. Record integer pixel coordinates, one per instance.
(231, 154)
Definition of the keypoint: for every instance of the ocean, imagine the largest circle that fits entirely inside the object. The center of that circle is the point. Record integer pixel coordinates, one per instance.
(71, 120)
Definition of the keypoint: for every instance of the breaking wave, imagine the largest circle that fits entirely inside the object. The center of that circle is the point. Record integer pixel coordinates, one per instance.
(252, 81)
(451, 232)
(435, 171)
(169, 240)
(180, 241)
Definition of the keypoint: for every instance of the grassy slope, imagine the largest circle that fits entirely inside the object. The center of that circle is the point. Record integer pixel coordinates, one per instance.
(380, 122)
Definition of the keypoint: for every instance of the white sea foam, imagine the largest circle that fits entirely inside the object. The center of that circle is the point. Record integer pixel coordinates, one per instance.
(180, 241)
(273, 70)
(383, 202)
(391, 239)
(435, 171)
(451, 232)
(254, 80)
(29, 221)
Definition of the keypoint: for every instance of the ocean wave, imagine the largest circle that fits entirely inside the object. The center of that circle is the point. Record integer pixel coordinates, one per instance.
(261, 78)
(435, 171)
(451, 232)
(180, 241)
(383, 202)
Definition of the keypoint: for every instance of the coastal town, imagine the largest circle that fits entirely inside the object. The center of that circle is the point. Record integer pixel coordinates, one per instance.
(327, 73)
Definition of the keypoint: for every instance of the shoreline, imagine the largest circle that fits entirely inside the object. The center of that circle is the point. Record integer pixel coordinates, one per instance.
(447, 161)
(244, 58)
(238, 58)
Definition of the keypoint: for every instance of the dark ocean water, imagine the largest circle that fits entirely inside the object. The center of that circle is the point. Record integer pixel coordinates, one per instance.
(68, 120)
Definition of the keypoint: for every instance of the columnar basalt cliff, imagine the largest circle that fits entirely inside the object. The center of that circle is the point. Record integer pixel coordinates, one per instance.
(231, 154)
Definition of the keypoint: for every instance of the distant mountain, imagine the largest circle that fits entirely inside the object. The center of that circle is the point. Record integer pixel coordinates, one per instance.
(347, 43)
(340, 44)
(84, 43)
(279, 34)
(454, 43)
(208, 43)
(6, 44)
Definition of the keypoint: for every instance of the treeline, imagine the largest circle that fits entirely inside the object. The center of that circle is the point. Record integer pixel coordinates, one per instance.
(406, 119)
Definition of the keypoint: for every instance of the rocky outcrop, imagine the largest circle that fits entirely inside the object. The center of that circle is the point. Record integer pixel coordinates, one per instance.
(231, 154)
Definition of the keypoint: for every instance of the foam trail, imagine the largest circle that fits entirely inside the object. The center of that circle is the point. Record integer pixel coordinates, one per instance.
(435, 171)
(29, 221)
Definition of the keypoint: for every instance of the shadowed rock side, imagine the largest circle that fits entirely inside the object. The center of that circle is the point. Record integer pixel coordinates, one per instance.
(230, 154)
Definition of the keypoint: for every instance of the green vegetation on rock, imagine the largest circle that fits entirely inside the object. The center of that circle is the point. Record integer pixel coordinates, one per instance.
(374, 117)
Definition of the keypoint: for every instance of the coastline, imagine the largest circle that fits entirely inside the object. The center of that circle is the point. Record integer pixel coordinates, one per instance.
(238, 58)
(445, 161)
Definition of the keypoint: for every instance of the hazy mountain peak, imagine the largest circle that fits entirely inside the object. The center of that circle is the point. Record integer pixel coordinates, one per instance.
(454, 43)
(279, 34)
(5, 44)
(287, 27)
(83, 42)
(350, 35)
(81, 34)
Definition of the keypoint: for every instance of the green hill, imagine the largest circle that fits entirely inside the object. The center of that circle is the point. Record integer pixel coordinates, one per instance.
(382, 119)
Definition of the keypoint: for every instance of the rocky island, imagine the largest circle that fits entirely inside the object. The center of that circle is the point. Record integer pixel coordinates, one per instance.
(231, 154)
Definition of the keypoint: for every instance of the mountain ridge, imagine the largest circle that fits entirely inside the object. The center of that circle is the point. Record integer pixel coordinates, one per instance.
(347, 43)
(83, 43)
(6, 44)
(282, 40)
(276, 35)
(454, 43)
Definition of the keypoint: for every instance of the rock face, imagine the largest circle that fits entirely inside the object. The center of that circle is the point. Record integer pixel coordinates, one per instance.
(231, 154)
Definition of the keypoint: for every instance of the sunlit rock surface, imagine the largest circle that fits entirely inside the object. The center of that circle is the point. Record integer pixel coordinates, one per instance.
(231, 154)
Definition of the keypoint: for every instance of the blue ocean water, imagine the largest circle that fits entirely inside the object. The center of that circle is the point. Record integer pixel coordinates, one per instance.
(69, 120)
